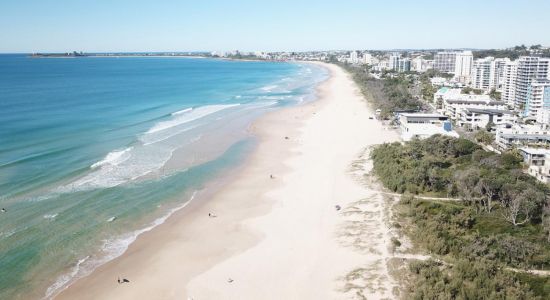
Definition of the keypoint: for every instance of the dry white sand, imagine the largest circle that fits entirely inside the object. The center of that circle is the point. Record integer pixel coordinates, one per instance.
(278, 238)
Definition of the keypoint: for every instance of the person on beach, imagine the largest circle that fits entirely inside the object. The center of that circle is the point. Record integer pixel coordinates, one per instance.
(123, 280)
(211, 215)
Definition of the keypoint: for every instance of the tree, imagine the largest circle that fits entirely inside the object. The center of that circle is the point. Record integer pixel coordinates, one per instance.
(489, 126)
(484, 137)
(511, 159)
(519, 202)
(466, 90)
(546, 220)
(489, 186)
(495, 95)
(467, 183)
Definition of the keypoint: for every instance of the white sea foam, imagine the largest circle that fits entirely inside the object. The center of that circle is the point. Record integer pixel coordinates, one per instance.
(7, 234)
(50, 216)
(189, 116)
(122, 166)
(114, 158)
(179, 112)
(111, 249)
(143, 161)
(149, 139)
(269, 88)
(61, 283)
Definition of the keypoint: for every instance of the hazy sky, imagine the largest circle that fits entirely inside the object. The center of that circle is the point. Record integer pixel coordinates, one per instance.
(170, 25)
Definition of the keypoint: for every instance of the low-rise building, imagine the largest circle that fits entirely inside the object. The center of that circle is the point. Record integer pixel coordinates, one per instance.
(446, 93)
(475, 118)
(422, 125)
(538, 162)
(452, 107)
(543, 116)
(522, 135)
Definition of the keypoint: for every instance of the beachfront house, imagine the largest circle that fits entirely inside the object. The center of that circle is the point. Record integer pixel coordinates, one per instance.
(422, 125)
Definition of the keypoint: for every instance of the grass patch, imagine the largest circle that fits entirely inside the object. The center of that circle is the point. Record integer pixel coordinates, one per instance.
(540, 285)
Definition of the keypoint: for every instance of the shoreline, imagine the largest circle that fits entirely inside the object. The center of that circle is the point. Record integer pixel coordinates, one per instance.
(184, 256)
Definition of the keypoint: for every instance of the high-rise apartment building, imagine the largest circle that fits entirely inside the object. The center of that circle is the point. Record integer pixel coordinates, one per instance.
(368, 59)
(497, 73)
(418, 64)
(538, 97)
(404, 65)
(529, 69)
(508, 87)
(487, 73)
(481, 73)
(463, 66)
(445, 61)
(353, 57)
(393, 62)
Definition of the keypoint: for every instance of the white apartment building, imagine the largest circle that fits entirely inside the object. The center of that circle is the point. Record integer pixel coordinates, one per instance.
(521, 135)
(463, 66)
(497, 73)
(368, 59)
(476, 118)
(420, 125)
(453, 108)
(508, 86)
(538, 97)
(354, 57)
(481, 73)
(487, 73)
(419, 64)
(529, 69)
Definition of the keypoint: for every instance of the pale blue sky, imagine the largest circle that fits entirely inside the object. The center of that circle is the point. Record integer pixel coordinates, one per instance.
(170, 25)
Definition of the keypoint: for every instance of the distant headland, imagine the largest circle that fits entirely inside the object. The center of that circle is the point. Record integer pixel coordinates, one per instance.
(115, 54)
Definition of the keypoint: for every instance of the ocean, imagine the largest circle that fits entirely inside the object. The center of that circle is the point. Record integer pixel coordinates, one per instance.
(95, 151)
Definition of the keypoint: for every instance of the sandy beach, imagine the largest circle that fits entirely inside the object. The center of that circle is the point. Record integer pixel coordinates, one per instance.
(274, 238)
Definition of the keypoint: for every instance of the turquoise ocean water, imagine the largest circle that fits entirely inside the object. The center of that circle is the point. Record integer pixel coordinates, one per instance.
(95, 151)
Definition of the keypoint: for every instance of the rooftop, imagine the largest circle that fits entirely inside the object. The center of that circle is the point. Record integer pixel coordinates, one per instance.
(422, 115)
(489, 102)
(535, 151)
(489, 111)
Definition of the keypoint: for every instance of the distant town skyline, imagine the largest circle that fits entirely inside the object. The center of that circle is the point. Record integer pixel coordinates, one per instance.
(127, 26)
